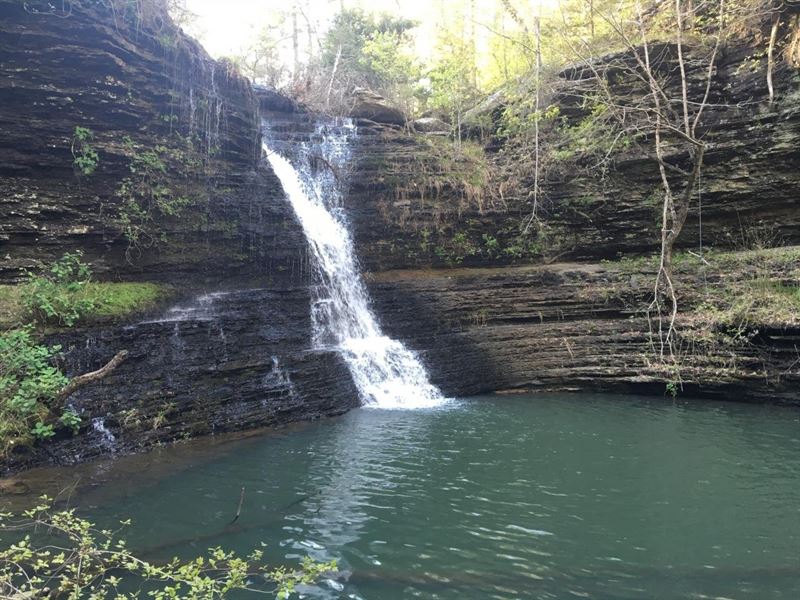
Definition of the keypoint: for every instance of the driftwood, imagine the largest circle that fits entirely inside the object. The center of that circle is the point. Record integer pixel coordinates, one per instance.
(87, 378)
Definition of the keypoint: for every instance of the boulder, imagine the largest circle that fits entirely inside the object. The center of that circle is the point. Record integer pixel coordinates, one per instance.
(13, 487)
(481, 119)
(430, 125)
(373, 106)
(271, 100)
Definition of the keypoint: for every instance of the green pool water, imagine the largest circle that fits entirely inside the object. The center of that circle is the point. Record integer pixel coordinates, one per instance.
(547, 496)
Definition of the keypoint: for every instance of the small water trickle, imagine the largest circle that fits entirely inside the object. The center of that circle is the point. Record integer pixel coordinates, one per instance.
(200, 308)
(386, 373)
(107, 439)
(279, 377)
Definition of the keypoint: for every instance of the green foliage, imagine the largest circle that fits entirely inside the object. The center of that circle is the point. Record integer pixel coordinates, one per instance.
(71, 420)
(491, 246)
(453, 251)
(85, 157)
(597, 135)
(147, 196)
(43, 432)
(352, 29)
(57, 297)
(67, 555)
(66, 295)
(29, 385)
(372, 51)
(453, 84)
(520, 116)
(396, 70)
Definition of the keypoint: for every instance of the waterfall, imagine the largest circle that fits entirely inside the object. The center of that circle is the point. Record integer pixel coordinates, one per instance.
(386, 373)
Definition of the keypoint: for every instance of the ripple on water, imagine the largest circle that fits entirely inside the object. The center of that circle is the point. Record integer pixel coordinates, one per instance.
(541, 497)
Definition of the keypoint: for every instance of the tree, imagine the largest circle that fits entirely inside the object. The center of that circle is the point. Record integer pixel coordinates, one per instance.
(669, 123)
(260, 61)
(452, 87)
(361, 50)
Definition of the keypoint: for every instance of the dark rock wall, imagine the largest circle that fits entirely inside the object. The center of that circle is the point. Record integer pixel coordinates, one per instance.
(234, 350)
(571, 326)
(135, 86)
(449, 271)
(749, 182)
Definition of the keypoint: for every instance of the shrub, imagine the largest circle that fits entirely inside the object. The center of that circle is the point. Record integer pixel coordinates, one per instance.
(59, 296)
(59, 554)
(29, 385)
(147, 196)
(66, 294)
(85, 157)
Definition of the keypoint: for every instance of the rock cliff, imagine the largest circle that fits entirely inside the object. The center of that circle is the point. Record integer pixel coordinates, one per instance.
(561, 304)
(174, 194)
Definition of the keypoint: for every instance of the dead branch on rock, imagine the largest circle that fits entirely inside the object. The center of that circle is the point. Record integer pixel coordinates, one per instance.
(82, 380)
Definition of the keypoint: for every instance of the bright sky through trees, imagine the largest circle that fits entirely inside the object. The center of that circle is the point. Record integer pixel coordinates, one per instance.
(226, 28)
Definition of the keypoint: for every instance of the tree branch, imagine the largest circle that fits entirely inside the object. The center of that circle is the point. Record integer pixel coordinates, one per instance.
(87, 378)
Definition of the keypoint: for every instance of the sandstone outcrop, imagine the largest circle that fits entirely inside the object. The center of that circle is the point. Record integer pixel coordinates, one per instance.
(374, 107)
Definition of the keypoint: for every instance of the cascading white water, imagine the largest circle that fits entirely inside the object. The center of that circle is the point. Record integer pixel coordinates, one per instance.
(387, 374)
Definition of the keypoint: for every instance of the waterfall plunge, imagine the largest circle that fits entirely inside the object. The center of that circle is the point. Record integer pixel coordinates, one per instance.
(386, 373)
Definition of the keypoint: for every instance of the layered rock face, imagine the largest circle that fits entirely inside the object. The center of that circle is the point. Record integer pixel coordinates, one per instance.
(451, 270)
(232, 349)
(228, 360)
(579, 326)
(554, 307)
(424, 203)
(137, 88)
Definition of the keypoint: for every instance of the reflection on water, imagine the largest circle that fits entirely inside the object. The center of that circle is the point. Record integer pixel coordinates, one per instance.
(516, 497)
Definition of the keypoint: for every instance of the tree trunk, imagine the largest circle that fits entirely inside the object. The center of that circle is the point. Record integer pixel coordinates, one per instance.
(295, 41)
(333, 76)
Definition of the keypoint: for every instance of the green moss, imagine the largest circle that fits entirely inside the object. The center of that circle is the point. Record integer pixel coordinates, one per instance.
(110, 300)
(118, 300)
(11, 308)
(750, 288)
(759, 302)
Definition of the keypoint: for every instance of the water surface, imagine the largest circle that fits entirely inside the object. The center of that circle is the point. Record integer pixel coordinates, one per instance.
(549, 496)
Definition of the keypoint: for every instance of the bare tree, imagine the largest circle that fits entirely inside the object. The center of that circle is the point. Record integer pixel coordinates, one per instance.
(669, 122)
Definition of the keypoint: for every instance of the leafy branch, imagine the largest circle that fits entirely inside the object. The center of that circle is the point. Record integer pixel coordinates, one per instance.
(61, 555)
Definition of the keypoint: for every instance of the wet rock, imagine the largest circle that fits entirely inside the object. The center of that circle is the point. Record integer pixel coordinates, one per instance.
(271, 100)
(235, 352)
(13, 487)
